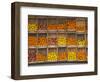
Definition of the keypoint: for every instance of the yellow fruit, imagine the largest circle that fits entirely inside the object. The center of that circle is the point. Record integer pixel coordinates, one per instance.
(61, 41)
(71, 56)
(52, 56)
(32, 27)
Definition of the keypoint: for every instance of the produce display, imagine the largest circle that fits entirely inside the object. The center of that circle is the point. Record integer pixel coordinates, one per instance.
(52, 27)
(72, 55)
(62, 56)
(71, 40)
(82, 55)
(61, 40)
(52, 39)
(32, 41)
(71, 24)
(32, 27)
(81, 40)
(60, 27)
(31, 55)
(81, 25)
(42, 41)
(52, 56)
(40, 57)
(42, 24)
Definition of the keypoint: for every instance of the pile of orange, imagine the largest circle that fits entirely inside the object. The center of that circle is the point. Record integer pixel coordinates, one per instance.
(62, 56)
(42, 41)
(71, 25)
(40, 57)
(52, 27)
(71, 41)
(81, 26)
(60, 27)
(81, 55)
(32, 41)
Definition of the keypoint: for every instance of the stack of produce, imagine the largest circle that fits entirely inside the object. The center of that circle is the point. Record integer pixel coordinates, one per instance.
(62, 56)
(60, 27)
(81, 42)
(71, 41)
(42, 26)
(52, 56)
(40, 57)
(32, 27)
(81, 55)
(31, 55)
(81, 26)
(71, 25)
(71, 55)
(52, 27)
(61, 40)
(32, 41)
(52, 41)
(42, 41)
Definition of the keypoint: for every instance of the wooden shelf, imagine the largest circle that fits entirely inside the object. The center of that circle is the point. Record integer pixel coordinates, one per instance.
(69, 46)
(56, 62)
(81, 46)
(55, 46)
(32, 47)
(46, 21)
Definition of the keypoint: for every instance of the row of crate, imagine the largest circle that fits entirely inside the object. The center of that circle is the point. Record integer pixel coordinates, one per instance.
(60, 40)
(54, 54)
(58, 24)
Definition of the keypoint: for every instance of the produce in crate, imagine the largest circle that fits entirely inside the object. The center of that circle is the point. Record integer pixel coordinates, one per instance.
(40, 57)
(62, 56)
(32, 41)
(61, 40)
(52, 54)
(32, 27)
(82, 54)
(71, 54)
(71, 24)
(52, 27)
(60, 27)
(81, 25)
(71, 40)
(31, 55)
(42, 41)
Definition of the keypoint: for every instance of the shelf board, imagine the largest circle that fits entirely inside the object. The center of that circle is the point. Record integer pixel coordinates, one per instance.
(58, 31)
(41, 46)
(69, 46)
(42, 31)
(61, 46)
(71, 30)
(55, 46)
(52, 31)
(31, 32)
(32, 47)
(80, 32)
(37, 47)
(52, 46)
(56, 62)
(61, 30)
(81, 46)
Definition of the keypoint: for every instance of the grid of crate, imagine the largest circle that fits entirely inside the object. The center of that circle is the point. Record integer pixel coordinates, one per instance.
(57, 39)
